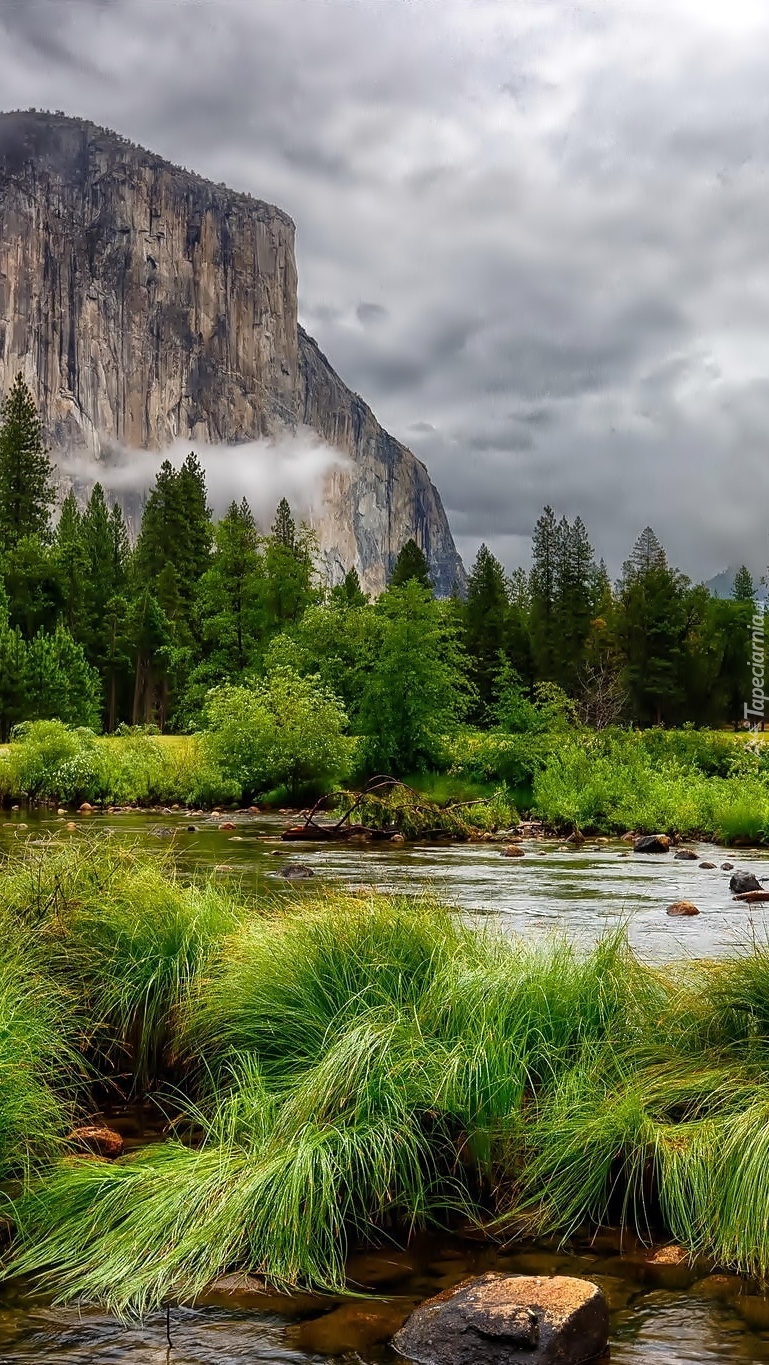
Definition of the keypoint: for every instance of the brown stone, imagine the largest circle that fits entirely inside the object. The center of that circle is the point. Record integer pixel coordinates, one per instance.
(685, 854)
(353, 1327)
(227, 824)
(727, 867)
(508, 1320)
(652, 843)
(682, 909)
(98, 1140)
(513, 851)
(86, 808)
(398, 839)
(753, 897)
(707, 866)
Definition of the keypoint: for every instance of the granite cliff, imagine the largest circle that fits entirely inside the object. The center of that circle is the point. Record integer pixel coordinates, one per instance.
(147, 305)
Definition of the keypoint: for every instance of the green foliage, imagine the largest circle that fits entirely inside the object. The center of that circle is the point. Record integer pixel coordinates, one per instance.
(619, 780)
(284, 730)
(39, 1070)
(48, 760)
(26, 488)
(415, 692)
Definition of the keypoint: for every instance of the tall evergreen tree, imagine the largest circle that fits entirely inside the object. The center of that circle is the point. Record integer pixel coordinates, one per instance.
(284, 526)
(743, 589)
(73, 567)
(26, 485)
(546, 551)
(487, 611)
(653, 624)
(410, 564)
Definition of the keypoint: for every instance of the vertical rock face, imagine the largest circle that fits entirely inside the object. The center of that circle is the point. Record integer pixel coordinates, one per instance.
(146, 305)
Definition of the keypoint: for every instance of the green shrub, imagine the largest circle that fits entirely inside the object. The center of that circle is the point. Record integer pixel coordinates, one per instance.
(286, 730)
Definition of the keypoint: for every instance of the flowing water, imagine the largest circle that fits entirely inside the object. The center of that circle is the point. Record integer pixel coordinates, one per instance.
(660, 1315)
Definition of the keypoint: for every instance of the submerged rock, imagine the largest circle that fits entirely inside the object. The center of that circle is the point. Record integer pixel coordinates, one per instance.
(228, 824)
(739, 882)
(727, 867)
(352, 1327)
(686, 854)
(682, 909)
(652, 843)
(507, 1320)
(295, 872)
(513, 851)
(708, 866)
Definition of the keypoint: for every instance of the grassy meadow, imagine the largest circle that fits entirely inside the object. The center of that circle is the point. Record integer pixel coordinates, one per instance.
(345, 1068)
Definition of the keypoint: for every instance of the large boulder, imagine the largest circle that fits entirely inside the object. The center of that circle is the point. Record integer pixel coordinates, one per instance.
(508, 1320)
(652, 843)
(740, 882)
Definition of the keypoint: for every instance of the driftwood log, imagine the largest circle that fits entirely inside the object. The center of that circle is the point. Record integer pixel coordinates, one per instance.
(343, 829)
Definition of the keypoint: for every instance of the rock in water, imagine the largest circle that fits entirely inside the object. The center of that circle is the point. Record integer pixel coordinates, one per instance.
(295, 872)
(739, 882)
(685, 855)
(652, 843)
(681, 909)
(146, 305)
(508, 1320)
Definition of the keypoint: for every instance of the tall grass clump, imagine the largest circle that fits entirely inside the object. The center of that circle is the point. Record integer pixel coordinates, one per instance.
(40, 1071)
(126, 937)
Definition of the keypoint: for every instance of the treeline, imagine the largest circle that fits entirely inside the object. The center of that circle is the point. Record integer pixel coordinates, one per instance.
(101, 633)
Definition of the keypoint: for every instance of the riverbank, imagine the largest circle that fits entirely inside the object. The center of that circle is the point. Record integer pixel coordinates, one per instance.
(688, 784)
(346, 1066)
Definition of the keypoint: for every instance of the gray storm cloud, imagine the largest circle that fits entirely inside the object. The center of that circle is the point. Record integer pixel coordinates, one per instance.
(294, 466)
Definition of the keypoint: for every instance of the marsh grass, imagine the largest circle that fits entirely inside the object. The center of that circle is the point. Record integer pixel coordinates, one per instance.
(41, 1074)
(125, 936)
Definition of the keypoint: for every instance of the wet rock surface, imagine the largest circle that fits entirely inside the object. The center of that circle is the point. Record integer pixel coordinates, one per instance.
(506, 1319)
(740, 882)
(652, 843)
(682, 909)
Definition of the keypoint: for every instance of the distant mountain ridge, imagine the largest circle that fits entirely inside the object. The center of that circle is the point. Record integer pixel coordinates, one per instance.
(146, 305)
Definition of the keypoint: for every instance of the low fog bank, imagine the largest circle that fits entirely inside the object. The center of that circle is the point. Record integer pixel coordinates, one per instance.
(294, 466)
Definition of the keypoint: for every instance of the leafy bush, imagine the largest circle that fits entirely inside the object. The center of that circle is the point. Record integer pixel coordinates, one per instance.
(286, 730)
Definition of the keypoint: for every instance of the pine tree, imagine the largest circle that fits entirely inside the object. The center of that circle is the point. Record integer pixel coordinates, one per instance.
(487, 611)
(653, 623)
(743, 589)
(72, 567)
(176, 528)
(26, 487)
(288, 562)
(349, 593)
(284, 527)
(575, 591)
(546, 550)
(410, 564)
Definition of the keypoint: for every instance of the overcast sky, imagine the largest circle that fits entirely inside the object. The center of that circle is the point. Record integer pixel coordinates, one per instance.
(534, 235)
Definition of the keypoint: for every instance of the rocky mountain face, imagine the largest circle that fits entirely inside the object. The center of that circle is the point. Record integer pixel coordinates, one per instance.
(146, 305)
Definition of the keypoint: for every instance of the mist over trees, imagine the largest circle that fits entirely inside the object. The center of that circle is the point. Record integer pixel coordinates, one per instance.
(100, 633)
